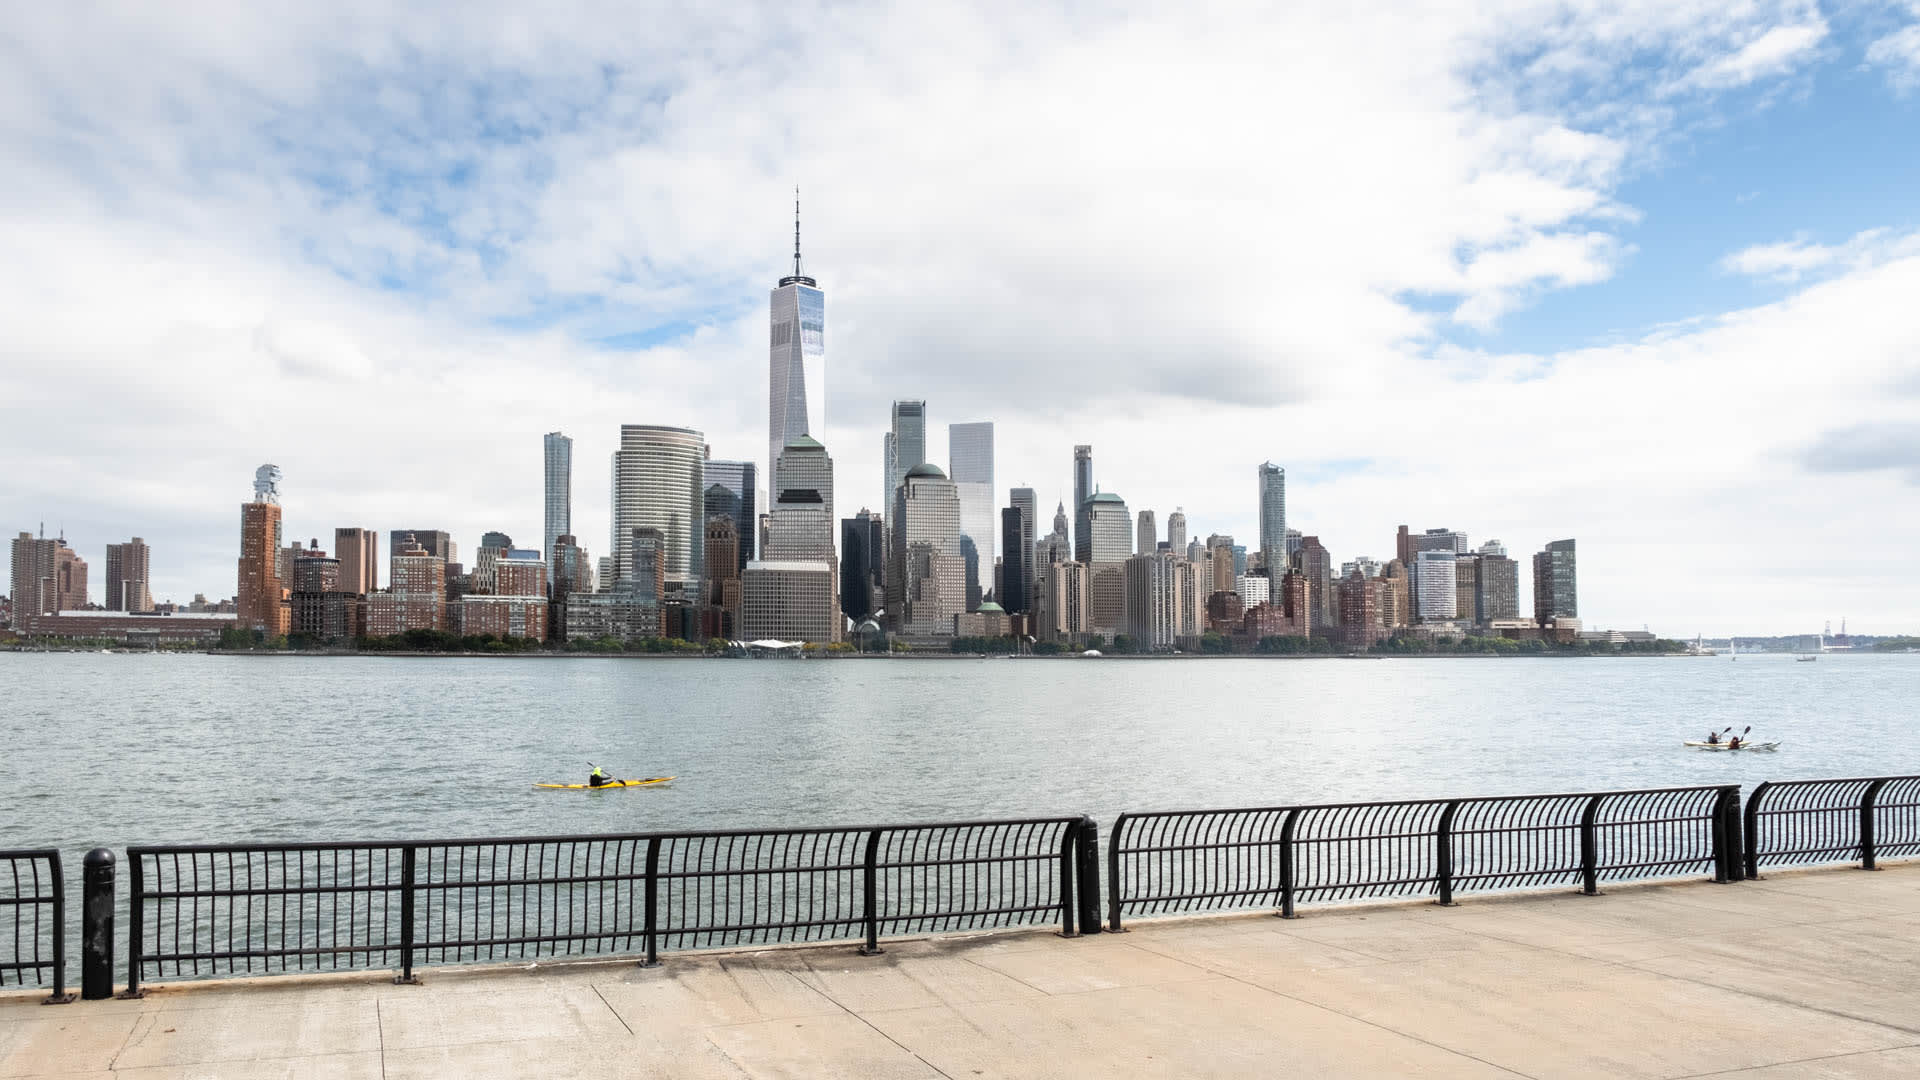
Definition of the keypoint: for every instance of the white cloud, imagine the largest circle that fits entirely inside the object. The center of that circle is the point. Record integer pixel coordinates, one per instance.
(1899, 54)
(1777, 51)
(1189, 237)
(1790, 260)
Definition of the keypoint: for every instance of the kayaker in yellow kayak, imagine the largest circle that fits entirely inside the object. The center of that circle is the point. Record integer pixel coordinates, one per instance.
(597, 778)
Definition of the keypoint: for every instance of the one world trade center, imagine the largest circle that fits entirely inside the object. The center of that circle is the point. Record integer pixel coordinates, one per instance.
(797, 369)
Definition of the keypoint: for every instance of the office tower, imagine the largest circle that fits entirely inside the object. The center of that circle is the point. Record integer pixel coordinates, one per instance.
(1256, 589)
(862, 553)
(1024, 500)
(1220, 560)
(1109, 528)
(1434, 593)
(496, 540)
(1146, 533)
(1361, 624)
(797, 359)
(1316, 566)
(804, 466)
(259, 606)
(128, 575)
(659, 482)
(1014, 553)
(721, 616)
(359, 553)
(435, 542)
(970, 460)
(1082, 494)
(573, 573)
(741, 478)
(799, 528)
(1110, 541)
(925, 572)
(886, 474)
(1273, 518)
(558, 451)
(1554, 593)
(908, 444)
(1499, 589)
(1441, 540)
(789, 600)
(1466, 588)
(1177, 533)
(1403, 547)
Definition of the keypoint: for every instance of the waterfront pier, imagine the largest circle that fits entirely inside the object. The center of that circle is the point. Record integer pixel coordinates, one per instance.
(1799, 974)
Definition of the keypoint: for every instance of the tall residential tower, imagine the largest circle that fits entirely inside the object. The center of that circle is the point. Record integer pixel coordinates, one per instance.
(559, 462)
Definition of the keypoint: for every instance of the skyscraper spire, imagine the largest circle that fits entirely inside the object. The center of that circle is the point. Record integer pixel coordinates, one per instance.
(796, 230)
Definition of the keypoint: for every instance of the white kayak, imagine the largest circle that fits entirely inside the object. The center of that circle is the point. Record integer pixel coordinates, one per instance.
(1702, 744)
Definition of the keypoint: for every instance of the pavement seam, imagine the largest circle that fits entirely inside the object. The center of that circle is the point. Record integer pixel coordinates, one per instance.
(1230, 977)
(1795, 1061)
(1376, 1025)
(610, 1008)
(380, 1028)
(823, 992)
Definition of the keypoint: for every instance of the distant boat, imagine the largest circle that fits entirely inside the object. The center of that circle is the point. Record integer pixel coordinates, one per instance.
(1805, 659)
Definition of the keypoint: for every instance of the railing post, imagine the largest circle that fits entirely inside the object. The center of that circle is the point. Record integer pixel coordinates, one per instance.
(1590, 848)
(1113, 876)
(1867, 801)
(96, 925)
(653, 903)
(1750, 842)
(1286, 865)
(1726, 867)
(136, 923)
(1087, 873)
(1735, 843)
(869, 904)
(1069, 904)
(1443, 853)
(60, 995)
(408, 856)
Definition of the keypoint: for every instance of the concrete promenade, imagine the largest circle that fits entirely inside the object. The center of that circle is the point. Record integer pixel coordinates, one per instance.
(1796, 975)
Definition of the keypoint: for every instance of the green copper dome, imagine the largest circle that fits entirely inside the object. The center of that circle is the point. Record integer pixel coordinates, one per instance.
(927, 468)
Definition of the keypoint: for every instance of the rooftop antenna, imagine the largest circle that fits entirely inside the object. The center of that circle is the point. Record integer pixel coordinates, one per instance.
(796, 230)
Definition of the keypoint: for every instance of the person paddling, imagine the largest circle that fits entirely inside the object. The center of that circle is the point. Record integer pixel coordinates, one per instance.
(1733, 743)
(598, 778)
(1713, 738)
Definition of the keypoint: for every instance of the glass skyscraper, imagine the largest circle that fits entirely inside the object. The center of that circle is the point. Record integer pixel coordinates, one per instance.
(1273, 518)
(908, 445)
(559, 455)
(970, 467)
(797, 359)
(659, 482)
(740, 479)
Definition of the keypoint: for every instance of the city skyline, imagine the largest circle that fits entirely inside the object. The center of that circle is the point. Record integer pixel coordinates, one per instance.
(1588, 312)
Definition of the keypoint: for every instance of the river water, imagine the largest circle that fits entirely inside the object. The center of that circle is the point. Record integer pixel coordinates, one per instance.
(117, 749)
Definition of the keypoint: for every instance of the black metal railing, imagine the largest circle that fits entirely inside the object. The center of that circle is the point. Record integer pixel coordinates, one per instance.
(1810, 822)
(33, 921)
(1197, 860)
(235, 909)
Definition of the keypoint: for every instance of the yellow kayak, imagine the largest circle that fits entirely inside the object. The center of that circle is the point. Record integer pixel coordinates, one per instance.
(611, 783)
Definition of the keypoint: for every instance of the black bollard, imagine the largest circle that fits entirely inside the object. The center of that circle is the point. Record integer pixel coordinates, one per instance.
(1087, 875)
(96, 925)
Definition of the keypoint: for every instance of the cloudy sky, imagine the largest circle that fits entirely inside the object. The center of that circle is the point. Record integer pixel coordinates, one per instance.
(1645, 273)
